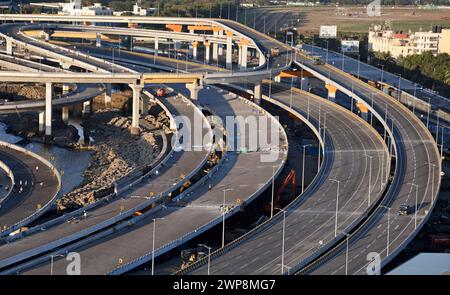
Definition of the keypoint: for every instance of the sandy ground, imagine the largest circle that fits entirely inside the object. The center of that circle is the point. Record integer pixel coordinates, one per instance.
(349, 18)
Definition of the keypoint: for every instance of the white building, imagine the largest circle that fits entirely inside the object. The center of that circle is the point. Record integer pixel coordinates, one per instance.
(74, 8)
(402, 44)
(141, 11)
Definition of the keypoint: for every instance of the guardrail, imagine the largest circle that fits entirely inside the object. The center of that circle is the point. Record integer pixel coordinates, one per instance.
(306, 266)
(106, 199)
(175, 243)
(233, 244)
(122, 215)
(10, 174)
(46, 206)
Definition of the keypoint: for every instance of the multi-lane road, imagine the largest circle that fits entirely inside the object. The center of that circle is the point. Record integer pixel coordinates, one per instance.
(352, 180)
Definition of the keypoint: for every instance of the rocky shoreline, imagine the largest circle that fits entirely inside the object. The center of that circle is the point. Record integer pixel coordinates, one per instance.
(114, 151)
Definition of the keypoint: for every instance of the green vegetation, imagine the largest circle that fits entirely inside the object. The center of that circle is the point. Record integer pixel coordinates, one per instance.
(430, 71)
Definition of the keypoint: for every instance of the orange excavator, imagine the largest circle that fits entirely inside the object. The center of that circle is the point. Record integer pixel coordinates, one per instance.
(290, 179)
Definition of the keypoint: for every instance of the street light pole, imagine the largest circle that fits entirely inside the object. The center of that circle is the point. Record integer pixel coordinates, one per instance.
(337, 205)
(223, 216)
(273, 191)
(51, 262)
(153, 245)
(209, 257)
(303, 168)
(370, 179)
(346, 254)
(282, 241)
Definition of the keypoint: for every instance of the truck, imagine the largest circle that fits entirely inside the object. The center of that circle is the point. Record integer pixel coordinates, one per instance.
(274, 51)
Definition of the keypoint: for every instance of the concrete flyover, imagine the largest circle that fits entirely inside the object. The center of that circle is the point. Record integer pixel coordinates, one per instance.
(243, 176)
(310, 219)
(409, 142)
(37, 183)
(154, 187)
(418, 166)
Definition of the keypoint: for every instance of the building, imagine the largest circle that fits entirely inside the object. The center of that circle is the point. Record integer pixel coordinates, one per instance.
(141, 11)
(444, 41)
(402, 44)
(74, 8)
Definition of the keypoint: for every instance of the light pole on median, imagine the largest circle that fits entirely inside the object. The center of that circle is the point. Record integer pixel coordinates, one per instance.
(388, 228)
(359, 62)
(292, 85)
(209, 256)
(432, 181)
(428, 111)
(51, 261)
(223, 216)
(153, 244)
(346, 253)
(282, 239)
(382, 72)
(399, 86)
(370, 178)
(273, 191)
(303, 167)
(337, 205)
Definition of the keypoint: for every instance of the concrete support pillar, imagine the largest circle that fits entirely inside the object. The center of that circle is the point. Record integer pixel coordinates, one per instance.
(194, 89)
(108, 97)
(137, 89)
(215, 52)
(41, 122)
(156, 45)
(220, 45)
(144, 105)
(9, 50)
(87, 107)
(229, 60)
(65, 89)
(331, 92)
(48, 108)
(239, 55)
(215, 49)
(257, 93)
(194, 49)
(98, 40)
(304, 83)
(65, 114)
(244, 53)
(207, 52)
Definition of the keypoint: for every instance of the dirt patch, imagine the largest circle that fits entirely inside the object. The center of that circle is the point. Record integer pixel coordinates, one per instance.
(115, 154)
(21, 92)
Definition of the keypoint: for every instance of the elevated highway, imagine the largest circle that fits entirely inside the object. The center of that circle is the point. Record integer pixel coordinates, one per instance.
(311, 219)
(418, 165)
(243, 176)
(37, 183)
(409, 142)
(178, 167)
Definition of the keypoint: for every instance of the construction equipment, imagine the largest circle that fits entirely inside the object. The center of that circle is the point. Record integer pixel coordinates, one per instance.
(290, 178)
